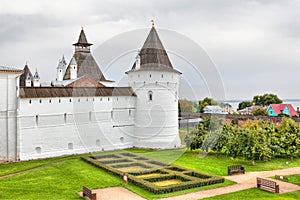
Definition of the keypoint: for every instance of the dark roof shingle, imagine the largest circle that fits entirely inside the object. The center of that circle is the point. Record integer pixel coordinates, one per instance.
(46, 92)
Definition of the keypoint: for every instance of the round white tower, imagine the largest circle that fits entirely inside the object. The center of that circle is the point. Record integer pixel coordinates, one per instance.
(73, 68)
(155, 83)
(60, 70)
(36, 79)
(28, 81)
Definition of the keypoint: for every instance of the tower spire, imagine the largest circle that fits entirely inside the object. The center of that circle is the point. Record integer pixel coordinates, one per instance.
(152, 23)
(82, 43)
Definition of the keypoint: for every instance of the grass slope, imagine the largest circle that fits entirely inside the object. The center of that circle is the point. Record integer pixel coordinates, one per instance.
(214, 163)
(63, 180)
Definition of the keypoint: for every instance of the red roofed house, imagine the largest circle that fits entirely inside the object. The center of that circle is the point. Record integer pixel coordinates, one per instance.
(277, 109)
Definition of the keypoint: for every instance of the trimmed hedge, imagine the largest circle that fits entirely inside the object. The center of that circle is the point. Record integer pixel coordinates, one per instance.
(190, 178)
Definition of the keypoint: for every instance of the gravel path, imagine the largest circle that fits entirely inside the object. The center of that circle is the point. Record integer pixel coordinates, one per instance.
(244, 181)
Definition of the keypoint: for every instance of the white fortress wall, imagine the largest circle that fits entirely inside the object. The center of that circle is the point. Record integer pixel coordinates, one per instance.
(71, 125)
(8, 120)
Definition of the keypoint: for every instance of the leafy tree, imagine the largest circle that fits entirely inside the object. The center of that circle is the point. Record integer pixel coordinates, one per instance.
(288, 135)
(186, 106)
(266, 99)
(255, 140)
(206, 102)
(259, 112)
(206, 135)
(244, 104)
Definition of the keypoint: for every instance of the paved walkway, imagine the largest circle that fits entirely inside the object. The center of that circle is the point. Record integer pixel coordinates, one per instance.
(244, 181)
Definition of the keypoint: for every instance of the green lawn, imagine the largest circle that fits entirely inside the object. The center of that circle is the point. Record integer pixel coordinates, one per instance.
(294, 179)
(58, 181)
(65, 179)
(214, 163)
(62, 180)
(9, 168)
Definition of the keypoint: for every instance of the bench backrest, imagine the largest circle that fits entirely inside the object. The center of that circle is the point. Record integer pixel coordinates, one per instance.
(267, 183)
(86, 192)
(235, 167)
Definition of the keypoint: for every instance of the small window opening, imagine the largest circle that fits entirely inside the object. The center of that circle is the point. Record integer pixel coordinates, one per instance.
(38, 150)
(65, 118)
(70, 146)
(150, 95)
(98, 143)
(37, 120)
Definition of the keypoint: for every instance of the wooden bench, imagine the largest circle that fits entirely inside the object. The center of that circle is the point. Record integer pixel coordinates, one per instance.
(235, 169)
(280, 177)
(86, 192)
(268, 185)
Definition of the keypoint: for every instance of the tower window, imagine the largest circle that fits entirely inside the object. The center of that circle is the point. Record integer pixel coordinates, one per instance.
(65, 118)
(138, 75)
(150, 95)
(70, 146)
(162, 76)
(98, 143)
(38, 150)
(49, 100)
(30, 101)
(150, 75)
(59, 100)
(70, 100)
(129, 113)
(40, 100)
(37, 120)
(101, 99)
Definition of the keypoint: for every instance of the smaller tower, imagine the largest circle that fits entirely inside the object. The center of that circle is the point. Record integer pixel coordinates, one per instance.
(28, 80)
(82, 45)
(137, 61)
(73, 68)
(60, 70)
(36, 79)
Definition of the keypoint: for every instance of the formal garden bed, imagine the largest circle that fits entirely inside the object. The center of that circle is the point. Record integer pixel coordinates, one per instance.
(152, 175)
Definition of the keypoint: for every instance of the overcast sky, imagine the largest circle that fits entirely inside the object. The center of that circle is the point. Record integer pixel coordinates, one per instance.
(254, 44)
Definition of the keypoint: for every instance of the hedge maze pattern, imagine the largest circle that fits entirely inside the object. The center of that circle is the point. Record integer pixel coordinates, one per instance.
(152, 175)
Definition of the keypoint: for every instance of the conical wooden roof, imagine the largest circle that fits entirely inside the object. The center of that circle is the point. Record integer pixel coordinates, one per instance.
(82, 41)
(25, 74)
(153, 55)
